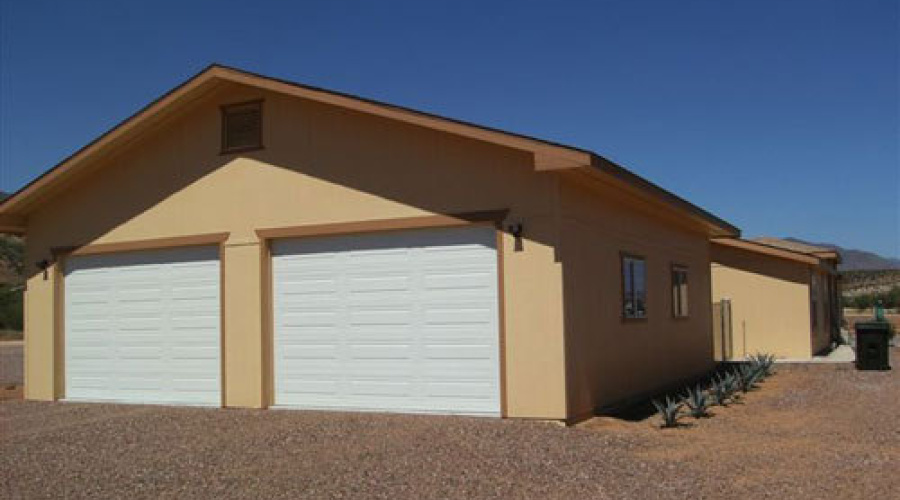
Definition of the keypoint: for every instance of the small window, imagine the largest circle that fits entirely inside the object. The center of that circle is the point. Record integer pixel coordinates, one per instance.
(242, 127)
(679, 291)
(634, 287)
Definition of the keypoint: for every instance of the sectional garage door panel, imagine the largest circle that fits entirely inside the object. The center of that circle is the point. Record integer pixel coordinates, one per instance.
(395, 321)
(144, 327)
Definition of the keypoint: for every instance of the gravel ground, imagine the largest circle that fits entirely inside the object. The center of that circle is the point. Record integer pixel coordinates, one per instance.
(812, 431)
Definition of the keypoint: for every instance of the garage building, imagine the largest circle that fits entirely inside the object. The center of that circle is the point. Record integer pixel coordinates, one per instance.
(245, 241)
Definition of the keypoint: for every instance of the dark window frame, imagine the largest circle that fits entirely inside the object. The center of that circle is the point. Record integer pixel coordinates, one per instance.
(623, 256)
(679, 312)
(231, 108)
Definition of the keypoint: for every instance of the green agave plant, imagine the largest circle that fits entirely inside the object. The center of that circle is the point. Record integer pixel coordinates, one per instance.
(720, 392)
(669, 410)
(698, 402)
(732, 385)
(763, 363)
(747, 378)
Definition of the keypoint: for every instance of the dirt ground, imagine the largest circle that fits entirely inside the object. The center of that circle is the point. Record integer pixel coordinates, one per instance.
(811, 431)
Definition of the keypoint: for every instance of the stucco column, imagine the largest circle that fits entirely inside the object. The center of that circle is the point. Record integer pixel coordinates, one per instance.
(533, 309)
(43, 358)
(242, 336)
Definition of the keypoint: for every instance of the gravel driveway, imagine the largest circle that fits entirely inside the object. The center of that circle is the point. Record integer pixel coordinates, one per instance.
(812, 431)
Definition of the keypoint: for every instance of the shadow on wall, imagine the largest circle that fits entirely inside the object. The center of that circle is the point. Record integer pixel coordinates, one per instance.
(763, 265)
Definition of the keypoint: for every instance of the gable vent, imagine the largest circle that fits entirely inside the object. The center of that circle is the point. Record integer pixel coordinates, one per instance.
(242, 126)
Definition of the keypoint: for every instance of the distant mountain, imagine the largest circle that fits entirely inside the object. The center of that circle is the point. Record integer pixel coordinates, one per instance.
(857, 260)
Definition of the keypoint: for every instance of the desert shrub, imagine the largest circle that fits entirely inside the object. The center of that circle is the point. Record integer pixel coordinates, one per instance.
(889, 299)
(10, 307)
(862, 302)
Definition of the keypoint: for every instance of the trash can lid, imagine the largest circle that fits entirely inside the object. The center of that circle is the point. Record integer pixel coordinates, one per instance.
(873, 326)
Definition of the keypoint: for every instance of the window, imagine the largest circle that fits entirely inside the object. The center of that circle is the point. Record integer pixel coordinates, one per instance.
(242, 127)
(679, 291)
(634, 287)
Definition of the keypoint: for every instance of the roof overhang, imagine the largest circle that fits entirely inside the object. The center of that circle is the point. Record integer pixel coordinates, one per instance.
(714, 226)
(767, 250)
(829, 255)
(546, 155)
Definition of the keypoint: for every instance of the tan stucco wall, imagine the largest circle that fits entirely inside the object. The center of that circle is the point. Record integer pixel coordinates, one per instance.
(609, 358)
(770, 302)
(320, 165)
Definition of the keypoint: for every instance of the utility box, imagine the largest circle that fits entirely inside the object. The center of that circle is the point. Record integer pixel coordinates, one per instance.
(873, 345)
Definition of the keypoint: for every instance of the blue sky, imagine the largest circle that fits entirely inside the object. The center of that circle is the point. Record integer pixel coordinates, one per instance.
(779, 116)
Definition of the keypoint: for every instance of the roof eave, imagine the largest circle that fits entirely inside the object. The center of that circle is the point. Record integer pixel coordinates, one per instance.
(716, 226)
(769, 250)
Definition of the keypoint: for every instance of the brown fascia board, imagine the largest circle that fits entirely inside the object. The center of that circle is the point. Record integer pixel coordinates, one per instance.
(547, 155)
(767, 250)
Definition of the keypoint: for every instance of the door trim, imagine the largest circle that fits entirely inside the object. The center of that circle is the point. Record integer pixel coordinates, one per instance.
(395, 224)
(207, 239)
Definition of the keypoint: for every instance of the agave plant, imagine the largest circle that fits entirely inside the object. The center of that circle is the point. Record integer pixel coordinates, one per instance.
(735, 383)
(748, 378)
(698, 402)
(759, 372)
(754, 365)
(669, 410)
(763, 363)
(720, 392)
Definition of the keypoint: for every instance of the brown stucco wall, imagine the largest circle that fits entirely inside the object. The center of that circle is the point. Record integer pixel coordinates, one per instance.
(770, 302)
(320, 165)
(608, 358)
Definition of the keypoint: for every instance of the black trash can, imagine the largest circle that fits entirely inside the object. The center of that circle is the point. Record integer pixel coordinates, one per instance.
(872, 345)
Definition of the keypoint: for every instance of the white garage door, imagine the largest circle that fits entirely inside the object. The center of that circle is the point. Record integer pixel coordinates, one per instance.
(143, 327)
(396, 321)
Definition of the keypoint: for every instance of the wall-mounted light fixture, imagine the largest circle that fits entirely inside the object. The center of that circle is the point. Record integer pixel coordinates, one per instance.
(515, 229)
(43, 265)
